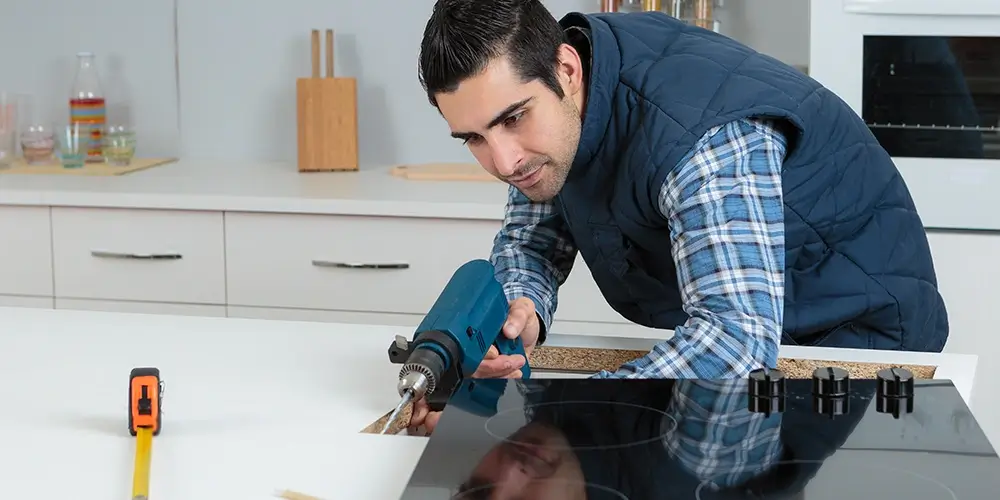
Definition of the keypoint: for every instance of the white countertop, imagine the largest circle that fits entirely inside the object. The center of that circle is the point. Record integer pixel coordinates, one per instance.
(205, 185)
(250, 406)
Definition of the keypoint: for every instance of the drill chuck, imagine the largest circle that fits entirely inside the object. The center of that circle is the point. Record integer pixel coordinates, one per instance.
(422, 371)
(415, 382)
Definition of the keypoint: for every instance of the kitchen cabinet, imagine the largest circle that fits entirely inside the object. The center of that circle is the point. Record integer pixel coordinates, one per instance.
(347, 263)
(24, 301)
(361, 269)
(125, 306)
(171, 256)
(266, 265)
(25, 254)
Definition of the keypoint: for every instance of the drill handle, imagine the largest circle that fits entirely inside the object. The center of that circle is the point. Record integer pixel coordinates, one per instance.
(511, 347)
(479, 396)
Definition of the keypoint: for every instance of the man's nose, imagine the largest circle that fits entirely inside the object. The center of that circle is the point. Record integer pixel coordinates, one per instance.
(507, 156)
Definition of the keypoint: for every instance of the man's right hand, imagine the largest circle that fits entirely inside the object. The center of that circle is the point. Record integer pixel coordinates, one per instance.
(521, 322)
(423, 420)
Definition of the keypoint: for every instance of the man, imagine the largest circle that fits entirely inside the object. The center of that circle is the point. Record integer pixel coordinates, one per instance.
(711, 190)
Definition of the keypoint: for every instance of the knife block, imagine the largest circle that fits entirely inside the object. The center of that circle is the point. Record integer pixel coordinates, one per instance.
(327, 116)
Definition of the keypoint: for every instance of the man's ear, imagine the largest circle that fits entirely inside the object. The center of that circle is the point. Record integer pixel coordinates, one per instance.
(569, 69)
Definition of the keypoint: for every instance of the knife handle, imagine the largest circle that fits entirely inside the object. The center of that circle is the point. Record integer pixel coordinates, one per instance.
(329, 53)
(315, 53)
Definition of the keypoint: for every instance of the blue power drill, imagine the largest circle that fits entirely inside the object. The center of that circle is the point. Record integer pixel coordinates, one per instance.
(452, 340)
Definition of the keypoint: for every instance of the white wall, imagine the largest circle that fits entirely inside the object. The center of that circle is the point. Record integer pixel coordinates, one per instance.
(215, 79)
(229, 94)
(135, 49)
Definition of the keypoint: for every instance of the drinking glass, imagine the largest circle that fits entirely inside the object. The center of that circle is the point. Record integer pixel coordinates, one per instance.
(38, 143)
(7, 148)
(38, 136)
(74, 140)
(118, 145)
(8, 128)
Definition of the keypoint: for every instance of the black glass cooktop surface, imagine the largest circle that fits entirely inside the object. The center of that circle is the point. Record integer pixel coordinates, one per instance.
(831, 437)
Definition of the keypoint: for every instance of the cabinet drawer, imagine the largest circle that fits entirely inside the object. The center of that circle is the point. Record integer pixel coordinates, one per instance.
(25, 251)
(150, 255)
(348, 263)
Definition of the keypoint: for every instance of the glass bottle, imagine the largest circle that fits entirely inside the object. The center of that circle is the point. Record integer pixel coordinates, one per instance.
(86, 104)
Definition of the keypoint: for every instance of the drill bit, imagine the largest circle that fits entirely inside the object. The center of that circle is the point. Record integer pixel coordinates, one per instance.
(407, 397)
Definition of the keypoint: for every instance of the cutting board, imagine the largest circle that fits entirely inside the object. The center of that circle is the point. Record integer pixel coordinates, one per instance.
(443, 172)
(88, 169)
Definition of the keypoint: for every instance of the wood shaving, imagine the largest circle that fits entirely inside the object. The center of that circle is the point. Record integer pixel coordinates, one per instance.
(294, 495)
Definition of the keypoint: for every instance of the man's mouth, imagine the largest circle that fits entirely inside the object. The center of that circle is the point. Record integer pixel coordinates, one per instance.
(527, 180)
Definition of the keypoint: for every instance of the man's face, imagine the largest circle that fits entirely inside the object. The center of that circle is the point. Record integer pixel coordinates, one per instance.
(522, 133)
(536, 462)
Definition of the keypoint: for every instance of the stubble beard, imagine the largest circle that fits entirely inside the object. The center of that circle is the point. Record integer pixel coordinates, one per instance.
(556, 170)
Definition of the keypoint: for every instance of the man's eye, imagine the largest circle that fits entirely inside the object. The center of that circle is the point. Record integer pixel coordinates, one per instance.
(472, 140)
(513, 119)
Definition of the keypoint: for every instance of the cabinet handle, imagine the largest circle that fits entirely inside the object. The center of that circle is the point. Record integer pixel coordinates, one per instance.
(359, 265)
(135, 256)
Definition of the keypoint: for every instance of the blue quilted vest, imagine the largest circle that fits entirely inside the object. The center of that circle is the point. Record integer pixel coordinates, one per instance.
(858, 269)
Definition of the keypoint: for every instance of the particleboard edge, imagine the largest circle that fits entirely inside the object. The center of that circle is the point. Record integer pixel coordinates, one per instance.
(578, 359)
(398, 426)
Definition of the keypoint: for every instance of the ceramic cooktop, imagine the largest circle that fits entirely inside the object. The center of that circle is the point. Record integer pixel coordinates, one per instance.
(765, 437)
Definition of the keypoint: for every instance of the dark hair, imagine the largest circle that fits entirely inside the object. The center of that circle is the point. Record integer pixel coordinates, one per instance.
(463, 36)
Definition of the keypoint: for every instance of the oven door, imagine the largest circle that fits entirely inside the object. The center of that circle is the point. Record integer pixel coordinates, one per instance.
(925, 76)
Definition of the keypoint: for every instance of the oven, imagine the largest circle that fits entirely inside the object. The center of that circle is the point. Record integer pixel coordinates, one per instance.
(924, 75)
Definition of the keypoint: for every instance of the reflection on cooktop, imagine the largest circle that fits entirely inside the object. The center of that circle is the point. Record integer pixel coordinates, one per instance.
(826, 438)
(509, 425)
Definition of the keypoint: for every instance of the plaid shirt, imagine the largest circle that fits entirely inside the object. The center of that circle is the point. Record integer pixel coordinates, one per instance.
(717, 439)
(725, 212)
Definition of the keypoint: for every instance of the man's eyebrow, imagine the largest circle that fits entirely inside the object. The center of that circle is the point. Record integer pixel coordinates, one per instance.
(509, 110)
(497, 120)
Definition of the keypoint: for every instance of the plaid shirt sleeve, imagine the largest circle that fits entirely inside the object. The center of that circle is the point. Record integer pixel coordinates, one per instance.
(533, 253)
(707, 429)
(726, 217)
(713, 435)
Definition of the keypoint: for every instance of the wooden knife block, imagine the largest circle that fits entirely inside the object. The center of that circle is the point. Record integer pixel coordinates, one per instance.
(327, 116)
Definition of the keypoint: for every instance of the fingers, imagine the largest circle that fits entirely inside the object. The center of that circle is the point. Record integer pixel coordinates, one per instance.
(500, 366)
(431, 422)
(420, 410)
(492, 353)
(522, 310)
(423, 420)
